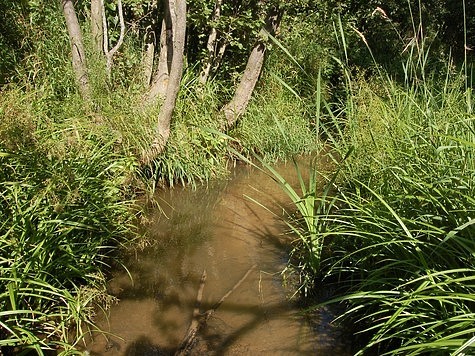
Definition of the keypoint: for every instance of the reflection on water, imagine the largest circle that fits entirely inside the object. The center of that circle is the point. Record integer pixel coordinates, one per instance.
(217, 229)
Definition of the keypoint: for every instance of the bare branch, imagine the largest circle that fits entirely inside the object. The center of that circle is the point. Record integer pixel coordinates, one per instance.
(147, 58)
(97, 25)
(211, 45)
(106, 31)
(110, 54)
(200, 320)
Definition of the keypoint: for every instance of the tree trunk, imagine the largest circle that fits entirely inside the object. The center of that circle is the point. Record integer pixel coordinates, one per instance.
(177, 10)
(160, 80)
(150, 44)
(238, 104)
(77, 48)
(178, 15)
(147, 58)
(97, 7)
(211, 45)
(219, 56)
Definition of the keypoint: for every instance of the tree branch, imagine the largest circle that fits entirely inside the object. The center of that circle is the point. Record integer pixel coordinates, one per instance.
(110, 54)
(105, 44)
(211, 45)
(200, 320)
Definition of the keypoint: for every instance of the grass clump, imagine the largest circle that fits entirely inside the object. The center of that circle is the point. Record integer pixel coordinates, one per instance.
(60, 220)
(63, 211)
(197, 150)
(395, 226)
(276, 125)
(401, 230)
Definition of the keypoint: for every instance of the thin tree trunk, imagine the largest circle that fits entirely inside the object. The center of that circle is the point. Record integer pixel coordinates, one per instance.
(97, 7)
(147, 59)
(178, 15)
(211, 45)
(177, 10)
(219, 56)
(238, 104)
(159, 85)
(110, 54)
(77, 48)
(105, 30)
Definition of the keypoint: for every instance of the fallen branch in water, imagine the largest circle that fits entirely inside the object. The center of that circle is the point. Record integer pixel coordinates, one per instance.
(200, 319)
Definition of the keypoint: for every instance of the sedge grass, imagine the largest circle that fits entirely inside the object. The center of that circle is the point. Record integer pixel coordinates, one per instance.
(402, 229)
(397, 236)
(63, 213)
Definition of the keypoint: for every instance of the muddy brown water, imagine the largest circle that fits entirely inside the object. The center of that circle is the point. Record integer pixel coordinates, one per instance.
(218, 229)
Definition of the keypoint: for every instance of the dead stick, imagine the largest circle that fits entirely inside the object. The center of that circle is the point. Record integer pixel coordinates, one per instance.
(187, 343)
(209, 312)
(190, 335)
(199, 296)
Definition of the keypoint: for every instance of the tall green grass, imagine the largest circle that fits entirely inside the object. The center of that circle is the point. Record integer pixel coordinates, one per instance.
(397, 234)
(402, 227)
(277, 123)
(68, 171)
(64, 211)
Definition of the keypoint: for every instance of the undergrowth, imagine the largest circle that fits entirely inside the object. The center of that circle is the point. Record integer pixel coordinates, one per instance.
(400, 230)
(70, 172)
(396, 235)
(63, 213)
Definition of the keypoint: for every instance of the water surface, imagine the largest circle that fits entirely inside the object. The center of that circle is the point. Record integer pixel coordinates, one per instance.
(219, 230)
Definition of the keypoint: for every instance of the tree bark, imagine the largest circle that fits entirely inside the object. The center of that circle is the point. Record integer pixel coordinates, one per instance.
(177, 10)
(150, 44)
(77, 48)
(160, 80)
(211, 45)
(97, 7)
(238, 104)
(147, 58)
(219, 56)
(178, 15)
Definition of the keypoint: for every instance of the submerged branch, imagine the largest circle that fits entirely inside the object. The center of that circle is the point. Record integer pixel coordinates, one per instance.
(200, 319)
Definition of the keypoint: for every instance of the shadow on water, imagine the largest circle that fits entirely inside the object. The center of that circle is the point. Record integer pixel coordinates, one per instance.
(216, 229)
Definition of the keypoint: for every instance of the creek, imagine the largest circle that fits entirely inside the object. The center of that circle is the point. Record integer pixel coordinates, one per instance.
(218, 229)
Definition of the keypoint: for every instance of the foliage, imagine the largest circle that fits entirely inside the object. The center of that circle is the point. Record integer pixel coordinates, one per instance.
(390, 28)
(237, 27)
(398, 224)
(33, 41)
(63, 213)
(402, 225)
(393, 227)
(276, 125)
